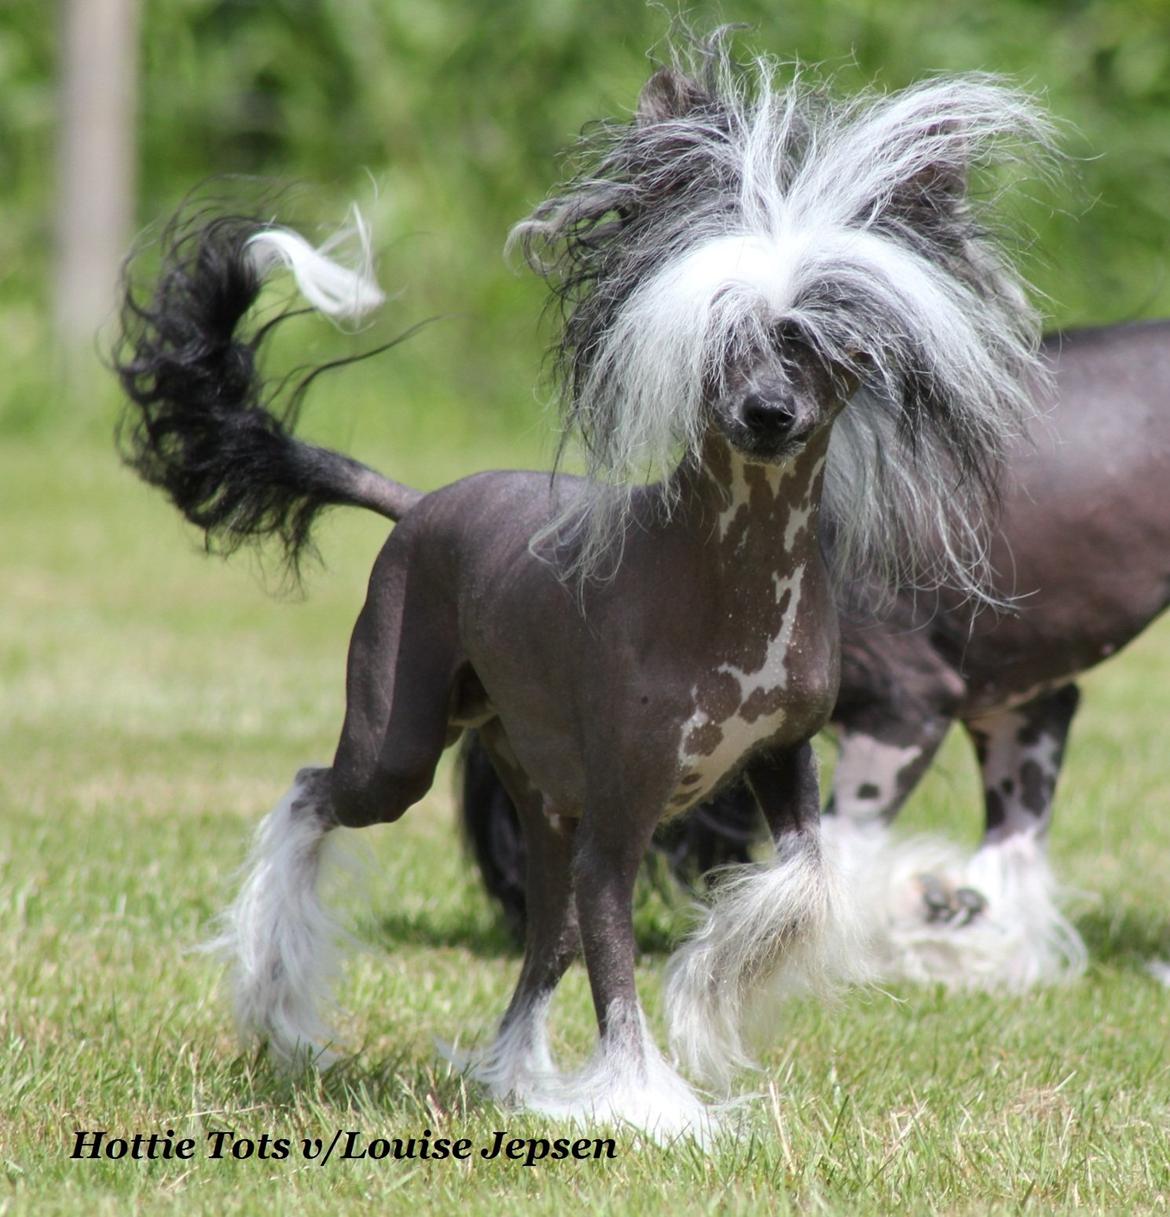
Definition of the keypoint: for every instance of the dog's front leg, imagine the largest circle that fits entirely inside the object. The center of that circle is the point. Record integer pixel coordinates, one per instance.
(785, 924)
(627, 1080)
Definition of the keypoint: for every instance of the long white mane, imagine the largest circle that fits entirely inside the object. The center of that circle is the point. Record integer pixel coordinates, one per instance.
(733, 203)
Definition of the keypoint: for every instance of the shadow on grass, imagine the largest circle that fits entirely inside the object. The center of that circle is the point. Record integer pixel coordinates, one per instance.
(1125, 936)
(484, 936)
(359, 1083)
(659, 920)
(493, 939)
(1118, 935)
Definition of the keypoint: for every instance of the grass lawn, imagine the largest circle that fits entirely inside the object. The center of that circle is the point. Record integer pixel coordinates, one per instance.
(154, 704)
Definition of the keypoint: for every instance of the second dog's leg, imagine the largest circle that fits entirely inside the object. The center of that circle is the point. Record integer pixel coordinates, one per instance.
(898, 698)
(492, 830)
(991, 920)
(886, 742)
(879, 764)
(1020, 754)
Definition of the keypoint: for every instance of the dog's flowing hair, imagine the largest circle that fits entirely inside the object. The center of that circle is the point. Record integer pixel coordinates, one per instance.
(692, 234)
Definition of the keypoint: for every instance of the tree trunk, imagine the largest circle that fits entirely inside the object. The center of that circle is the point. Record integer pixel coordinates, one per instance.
(96, 164)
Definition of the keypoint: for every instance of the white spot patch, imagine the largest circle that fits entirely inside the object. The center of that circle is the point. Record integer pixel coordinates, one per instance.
(797, 522)
(740, 733)
(867, 764)
(739, 496)
(773, 673)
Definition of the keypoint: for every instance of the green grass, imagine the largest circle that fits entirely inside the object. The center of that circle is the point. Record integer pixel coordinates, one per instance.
(153, 704)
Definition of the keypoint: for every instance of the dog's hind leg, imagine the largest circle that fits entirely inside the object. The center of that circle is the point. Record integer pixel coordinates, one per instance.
(1020, 752)
(518, 1064)
(779, 926)
(282, 943)
(279, 938)
(899, 699)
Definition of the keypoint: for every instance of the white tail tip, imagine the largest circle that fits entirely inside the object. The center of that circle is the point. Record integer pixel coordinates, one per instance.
(331, 287)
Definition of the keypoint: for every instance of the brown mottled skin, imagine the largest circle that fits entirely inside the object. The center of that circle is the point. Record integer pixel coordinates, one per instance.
(706, 605)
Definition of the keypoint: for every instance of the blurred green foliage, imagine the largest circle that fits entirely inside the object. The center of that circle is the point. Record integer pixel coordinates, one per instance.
(445, 118)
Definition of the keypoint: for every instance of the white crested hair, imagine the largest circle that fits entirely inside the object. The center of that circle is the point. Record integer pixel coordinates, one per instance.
(732, 205)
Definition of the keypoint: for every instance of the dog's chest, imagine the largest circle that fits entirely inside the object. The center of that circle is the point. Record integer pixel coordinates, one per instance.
(745, 701)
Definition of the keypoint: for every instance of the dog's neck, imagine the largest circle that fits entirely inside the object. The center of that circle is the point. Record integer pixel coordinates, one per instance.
(755, 515)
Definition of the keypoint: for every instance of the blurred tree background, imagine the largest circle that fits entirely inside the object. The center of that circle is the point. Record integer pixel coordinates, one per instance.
(444, 118)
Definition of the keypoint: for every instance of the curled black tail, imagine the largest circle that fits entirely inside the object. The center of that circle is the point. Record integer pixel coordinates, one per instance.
(198, 425)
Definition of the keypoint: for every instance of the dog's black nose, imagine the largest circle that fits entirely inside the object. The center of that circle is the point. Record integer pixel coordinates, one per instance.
(769, 418)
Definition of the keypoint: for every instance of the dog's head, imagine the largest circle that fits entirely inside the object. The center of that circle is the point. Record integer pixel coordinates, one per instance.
(770, 400)
(750, 256)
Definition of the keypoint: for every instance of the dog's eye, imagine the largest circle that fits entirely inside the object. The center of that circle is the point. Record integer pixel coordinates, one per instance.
(788, 334)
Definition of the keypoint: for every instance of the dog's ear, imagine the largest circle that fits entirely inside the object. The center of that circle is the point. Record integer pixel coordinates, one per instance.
(667, 94)
(939, 188)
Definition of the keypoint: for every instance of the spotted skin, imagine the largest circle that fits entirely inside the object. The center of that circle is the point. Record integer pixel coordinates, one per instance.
(745, 698)
(898, 698)
(1020, 752)
(1084, 548)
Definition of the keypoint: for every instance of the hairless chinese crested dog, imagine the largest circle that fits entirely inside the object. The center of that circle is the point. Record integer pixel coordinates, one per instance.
(780, 311)
(1080, 552)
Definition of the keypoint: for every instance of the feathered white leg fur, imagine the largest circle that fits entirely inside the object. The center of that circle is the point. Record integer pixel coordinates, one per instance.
(518, 1059)
(282, 943)
(625, 1082)
(1020, 939)
(779, 927)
